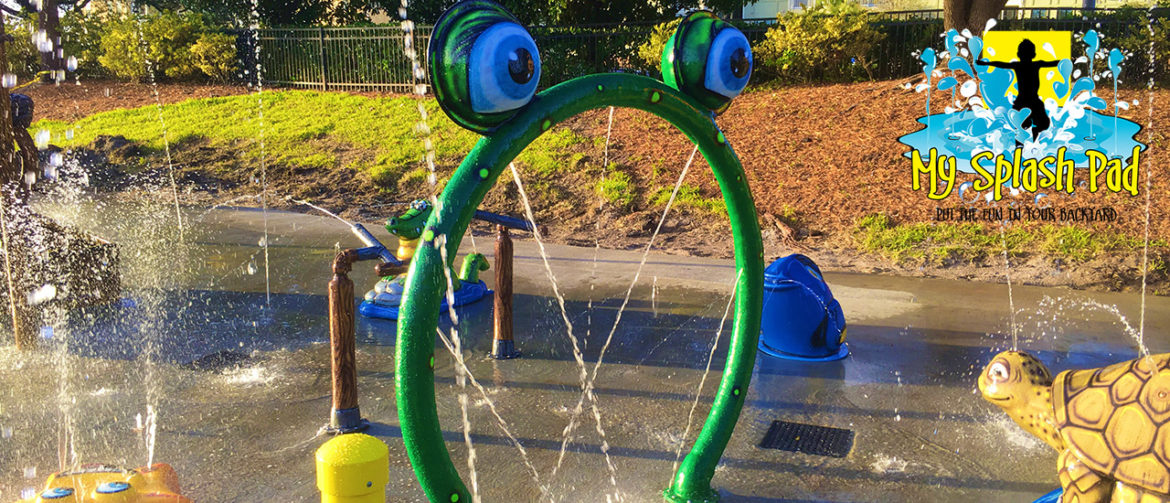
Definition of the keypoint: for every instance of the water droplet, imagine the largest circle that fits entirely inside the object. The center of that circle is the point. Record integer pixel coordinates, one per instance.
(251, 267)
(967, 193)
(69, 134)
(6, 432)
(9, 80)
(57, 159)
(1042, 200)
(71, 64)
(30, 178)
(42, 139)
(42, 295)
(28, 493)
(969, 89)
(30, 472)
(263, 242)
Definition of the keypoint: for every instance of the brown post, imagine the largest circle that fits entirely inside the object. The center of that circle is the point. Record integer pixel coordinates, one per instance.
(503, 347)
(346, 417)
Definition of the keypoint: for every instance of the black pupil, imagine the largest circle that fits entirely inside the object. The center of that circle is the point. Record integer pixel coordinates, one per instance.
(739, 63)
(521, 66)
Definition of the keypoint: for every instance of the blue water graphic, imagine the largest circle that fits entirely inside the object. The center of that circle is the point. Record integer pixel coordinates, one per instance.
(983, 120)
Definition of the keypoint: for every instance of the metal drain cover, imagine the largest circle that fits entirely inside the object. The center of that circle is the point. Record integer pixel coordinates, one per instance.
(809, 439)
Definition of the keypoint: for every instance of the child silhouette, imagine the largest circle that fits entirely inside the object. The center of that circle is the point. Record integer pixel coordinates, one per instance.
(1028, 85)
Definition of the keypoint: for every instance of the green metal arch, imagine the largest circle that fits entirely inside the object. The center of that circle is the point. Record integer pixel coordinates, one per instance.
(419, 316)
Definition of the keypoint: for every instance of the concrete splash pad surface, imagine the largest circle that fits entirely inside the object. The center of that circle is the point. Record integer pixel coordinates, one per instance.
(248, 433)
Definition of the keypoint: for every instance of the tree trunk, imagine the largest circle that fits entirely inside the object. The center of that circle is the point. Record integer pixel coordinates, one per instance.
(981, 11)
(955, 14)
(49, 21)
(970, 14)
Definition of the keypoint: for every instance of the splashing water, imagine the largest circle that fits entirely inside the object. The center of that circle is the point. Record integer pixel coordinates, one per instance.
(577, 356)
(984, 120)
(587, 393)
(254, 19)
(1007, 273)
(150, 71)
(318, 208)
(702, 380)
(500, 422)
(461, 371)
(1153, 57)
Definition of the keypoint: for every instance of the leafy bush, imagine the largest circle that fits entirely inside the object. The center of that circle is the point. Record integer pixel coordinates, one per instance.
(122, 51)
(167, 37)
(830, 41)
(650, 52)
(1135, 39)
(215, 55)
(21, 53)
(82, 38)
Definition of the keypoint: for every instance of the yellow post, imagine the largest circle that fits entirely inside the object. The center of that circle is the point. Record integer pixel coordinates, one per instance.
(353, 468)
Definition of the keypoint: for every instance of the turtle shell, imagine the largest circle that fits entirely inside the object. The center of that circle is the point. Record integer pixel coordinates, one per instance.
(1116, 419)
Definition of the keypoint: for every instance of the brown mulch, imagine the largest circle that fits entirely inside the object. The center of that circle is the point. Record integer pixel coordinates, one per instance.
(831, 155)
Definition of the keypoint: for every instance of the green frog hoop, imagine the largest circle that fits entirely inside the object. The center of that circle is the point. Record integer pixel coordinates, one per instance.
(484, 68)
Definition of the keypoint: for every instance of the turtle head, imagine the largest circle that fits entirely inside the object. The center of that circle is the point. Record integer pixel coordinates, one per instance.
(1021, 385)
(1012, 379)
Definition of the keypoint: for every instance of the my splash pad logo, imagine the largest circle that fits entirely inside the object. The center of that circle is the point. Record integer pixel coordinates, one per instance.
(1023, 116)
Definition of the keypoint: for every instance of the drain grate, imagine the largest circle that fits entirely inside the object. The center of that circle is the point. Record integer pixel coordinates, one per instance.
(809, 439)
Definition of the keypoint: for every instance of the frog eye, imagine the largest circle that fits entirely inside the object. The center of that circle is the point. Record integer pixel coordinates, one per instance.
(420, 205)
(484, 65)
(997, 372)
(729, 63)
(708, 59)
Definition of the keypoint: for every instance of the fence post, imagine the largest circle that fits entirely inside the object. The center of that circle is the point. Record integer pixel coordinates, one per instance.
(321, 58)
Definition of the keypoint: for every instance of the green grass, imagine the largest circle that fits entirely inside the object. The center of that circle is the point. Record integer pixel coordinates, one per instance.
(616, 187)
(306, 129)
(690, 198)
(940, 242)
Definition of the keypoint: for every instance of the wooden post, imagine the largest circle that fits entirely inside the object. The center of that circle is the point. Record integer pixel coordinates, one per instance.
(346, 417)
(503, 347)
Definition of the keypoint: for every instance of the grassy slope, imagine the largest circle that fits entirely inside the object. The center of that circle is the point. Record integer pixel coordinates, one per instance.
(308, 129)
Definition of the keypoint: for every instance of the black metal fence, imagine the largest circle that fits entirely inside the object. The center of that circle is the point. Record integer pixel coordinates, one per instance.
(373, 58)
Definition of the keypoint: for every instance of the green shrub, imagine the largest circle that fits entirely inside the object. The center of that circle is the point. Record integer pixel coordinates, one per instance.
(215, 55)
(167, 38)
(1135, 41)
(650, 52)
(23, 58)
(827, 42)
(122, 52)
(82, 38)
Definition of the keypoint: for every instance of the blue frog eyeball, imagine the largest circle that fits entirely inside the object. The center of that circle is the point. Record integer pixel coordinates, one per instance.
(708, 59)
(484, 65)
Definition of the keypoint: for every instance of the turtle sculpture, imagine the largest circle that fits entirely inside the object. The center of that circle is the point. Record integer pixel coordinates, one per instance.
(1110, 425)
